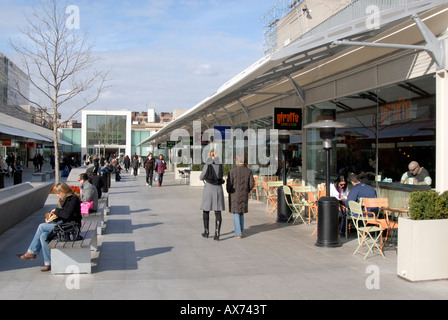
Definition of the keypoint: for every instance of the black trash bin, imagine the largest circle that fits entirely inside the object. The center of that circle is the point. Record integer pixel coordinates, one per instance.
(327, 222)
(283, 210)
(17, 175)
(2, 179)
(105, 177)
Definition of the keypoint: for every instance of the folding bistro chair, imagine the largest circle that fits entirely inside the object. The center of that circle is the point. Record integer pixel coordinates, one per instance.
(184, 175)
(312, 205)
(255, 188)
(385, 223)
(271, 198)
(297, 207)
(366, 232)
(300, 196)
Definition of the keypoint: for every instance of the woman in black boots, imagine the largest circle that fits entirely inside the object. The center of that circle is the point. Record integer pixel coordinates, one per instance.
(213, 195)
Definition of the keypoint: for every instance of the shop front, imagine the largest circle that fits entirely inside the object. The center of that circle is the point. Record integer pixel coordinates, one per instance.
(387, 128)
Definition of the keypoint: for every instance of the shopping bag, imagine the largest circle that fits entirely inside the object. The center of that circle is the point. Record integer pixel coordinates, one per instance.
(86, 206)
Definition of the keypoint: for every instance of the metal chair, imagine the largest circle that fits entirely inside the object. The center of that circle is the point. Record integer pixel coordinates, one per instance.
(297, 207)
(184, 175)
(271, 198)
(385, 223)
(255, 188)
(368, 234)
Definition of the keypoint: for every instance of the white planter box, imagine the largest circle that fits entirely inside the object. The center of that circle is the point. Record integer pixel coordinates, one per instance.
(194, 179)
(422, 249)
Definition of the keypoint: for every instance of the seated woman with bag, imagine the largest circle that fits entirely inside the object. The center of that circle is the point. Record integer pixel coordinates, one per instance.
(69, 209)
(88, 193)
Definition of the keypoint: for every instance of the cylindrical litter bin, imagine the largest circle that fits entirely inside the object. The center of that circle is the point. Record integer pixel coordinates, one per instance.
(17, 175)
(105, 178)
(2, 179)
(283, 210)
(327, 222)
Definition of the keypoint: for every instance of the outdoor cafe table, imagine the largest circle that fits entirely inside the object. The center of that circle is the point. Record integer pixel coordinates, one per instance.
(390, 211)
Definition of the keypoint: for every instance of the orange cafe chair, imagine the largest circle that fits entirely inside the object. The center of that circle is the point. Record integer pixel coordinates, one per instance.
(312, 206)
(271, 198)
(255, 188)
(385, 223)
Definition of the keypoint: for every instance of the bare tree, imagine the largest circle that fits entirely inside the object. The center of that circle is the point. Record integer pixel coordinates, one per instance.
(59, 64)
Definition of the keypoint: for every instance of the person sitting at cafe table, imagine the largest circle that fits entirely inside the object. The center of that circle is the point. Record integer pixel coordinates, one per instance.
(416, 175)
(359, 190)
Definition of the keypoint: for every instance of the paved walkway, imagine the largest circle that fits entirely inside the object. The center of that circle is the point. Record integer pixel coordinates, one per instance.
(151, 248)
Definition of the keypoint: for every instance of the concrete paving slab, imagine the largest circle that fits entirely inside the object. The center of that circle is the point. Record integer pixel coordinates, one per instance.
(151, 249)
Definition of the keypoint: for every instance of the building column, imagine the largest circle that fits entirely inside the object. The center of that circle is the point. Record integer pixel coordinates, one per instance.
(442, 129)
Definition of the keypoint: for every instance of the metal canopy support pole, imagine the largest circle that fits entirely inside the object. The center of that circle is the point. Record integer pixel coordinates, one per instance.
(245, 110)
(206, 124)
(216, 119)
(228, 115)
(299, 91)
(434, 46)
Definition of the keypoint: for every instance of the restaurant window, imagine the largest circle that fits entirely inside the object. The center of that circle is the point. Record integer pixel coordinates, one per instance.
(387, 128)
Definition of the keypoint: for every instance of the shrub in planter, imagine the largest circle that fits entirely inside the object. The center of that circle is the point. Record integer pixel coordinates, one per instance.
(422, 238)
(428, 205)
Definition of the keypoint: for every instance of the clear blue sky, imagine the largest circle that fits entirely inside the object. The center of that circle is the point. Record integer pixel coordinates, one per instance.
(162, 54)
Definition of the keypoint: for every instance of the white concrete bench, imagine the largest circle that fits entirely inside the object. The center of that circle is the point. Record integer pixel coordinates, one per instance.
(39, 177)
(97, 216)
(50, 174)
(105, 198)
(68, 254)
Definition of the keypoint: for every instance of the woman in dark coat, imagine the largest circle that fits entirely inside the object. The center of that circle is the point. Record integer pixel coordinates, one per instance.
(213, 195)
(149, 165)
(240, 182)
(69, 209)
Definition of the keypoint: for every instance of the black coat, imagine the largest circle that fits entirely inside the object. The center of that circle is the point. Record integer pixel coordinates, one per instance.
(240, 182)
(149, 164)
(70, 209)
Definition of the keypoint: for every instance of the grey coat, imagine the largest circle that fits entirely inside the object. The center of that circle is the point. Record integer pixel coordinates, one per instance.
(213, 195)
(89, 193)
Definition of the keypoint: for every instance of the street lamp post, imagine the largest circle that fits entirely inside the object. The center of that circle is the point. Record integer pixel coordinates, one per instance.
(327, 208)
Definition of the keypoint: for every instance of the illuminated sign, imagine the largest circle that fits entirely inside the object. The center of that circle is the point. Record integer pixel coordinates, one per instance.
(288, 118)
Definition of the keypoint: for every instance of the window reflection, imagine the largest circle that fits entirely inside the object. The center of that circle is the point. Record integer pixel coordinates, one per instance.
(388, 128)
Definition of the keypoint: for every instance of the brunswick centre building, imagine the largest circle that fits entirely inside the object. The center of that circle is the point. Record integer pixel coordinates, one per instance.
(379, 67)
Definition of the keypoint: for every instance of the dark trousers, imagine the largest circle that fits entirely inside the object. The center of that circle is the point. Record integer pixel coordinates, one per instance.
(149, 175)
(160, 178)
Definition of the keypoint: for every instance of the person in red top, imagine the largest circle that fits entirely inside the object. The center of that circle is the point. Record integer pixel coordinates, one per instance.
(160, 168)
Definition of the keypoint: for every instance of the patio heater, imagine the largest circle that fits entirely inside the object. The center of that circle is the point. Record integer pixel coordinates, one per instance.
(283, 211)
(327, 207)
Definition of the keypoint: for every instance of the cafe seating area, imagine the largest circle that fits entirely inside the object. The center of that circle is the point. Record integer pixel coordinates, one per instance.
(302, 202)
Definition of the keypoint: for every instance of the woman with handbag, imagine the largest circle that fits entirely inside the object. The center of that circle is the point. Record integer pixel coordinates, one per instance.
(213, 195)
(69, 209)
(160, 169)
(88, 192)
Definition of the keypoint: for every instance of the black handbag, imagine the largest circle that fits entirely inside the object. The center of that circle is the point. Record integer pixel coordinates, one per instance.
(210, 175)
(67, 231)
